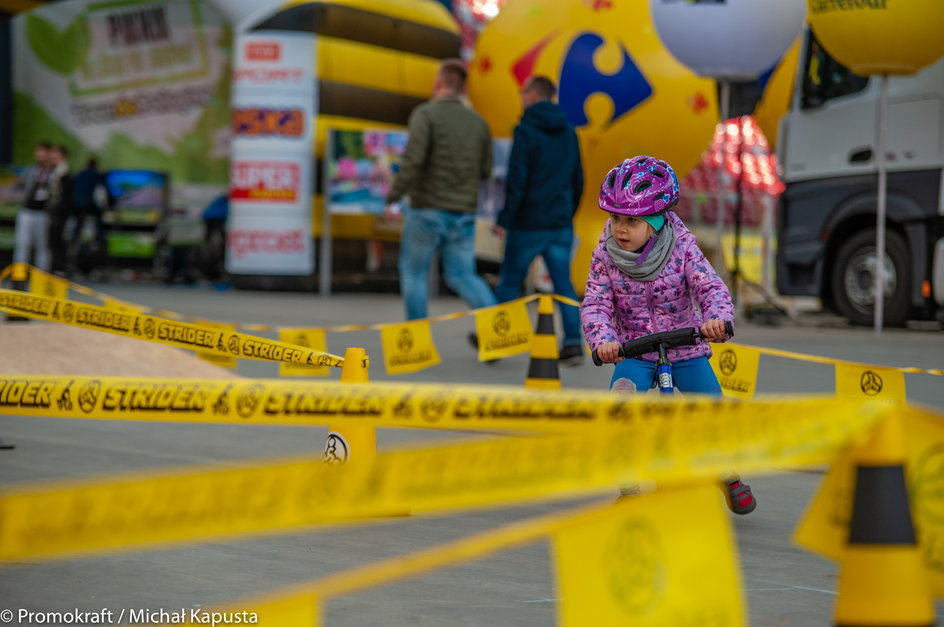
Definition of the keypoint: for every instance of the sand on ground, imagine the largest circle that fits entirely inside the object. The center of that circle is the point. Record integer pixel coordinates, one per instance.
(48, 348)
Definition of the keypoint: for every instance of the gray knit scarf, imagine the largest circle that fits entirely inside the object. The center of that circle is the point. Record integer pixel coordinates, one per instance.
(645, 265)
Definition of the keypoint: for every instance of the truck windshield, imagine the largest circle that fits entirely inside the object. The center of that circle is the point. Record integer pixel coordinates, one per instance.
(824, 78)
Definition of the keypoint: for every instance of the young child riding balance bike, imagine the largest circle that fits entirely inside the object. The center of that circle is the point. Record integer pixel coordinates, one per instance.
(647, 276)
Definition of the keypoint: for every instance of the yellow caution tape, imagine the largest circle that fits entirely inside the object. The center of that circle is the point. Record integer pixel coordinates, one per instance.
(827, 360)
(153, 329)
(377, 573)
(140, 509)
(564, 299)
(690, 547)
(275, 401)
(166, 313)
(453, 316)
(309, 338)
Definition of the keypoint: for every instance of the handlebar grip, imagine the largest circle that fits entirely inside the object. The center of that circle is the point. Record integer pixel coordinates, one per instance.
(729, 328)
(596, 358)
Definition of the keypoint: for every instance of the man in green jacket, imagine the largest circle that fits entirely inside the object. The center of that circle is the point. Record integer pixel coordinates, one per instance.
(448, 154)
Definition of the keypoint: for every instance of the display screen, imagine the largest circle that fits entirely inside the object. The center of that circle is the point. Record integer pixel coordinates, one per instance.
(139, 195)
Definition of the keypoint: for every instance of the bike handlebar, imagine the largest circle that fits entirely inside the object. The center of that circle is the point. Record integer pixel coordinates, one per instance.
(668, 339)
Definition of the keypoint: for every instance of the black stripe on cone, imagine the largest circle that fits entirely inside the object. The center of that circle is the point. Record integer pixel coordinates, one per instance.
(545, 324)
(543, 369)
(879, 511)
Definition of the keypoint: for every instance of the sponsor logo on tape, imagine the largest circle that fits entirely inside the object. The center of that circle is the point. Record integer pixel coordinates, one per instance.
(871, 383)
(248, 400)
(636, 568)
(405, 340)
(22, 393)
(728, 362)
(88, 395)
(185, 334)
(155, 397)
(336, 450)
(501, 323)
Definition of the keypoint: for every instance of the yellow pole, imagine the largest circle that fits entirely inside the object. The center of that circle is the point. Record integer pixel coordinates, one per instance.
(882, 578)
(18, 275)
(19, 272)
(357, 442)
(543, 370)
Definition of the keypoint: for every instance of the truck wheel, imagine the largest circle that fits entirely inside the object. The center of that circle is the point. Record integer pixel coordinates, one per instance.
(853, 279)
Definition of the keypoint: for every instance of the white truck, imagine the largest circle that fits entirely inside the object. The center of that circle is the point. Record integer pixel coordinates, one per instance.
(827, 214)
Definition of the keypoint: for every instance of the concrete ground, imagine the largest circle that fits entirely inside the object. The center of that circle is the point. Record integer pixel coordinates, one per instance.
(784, 584)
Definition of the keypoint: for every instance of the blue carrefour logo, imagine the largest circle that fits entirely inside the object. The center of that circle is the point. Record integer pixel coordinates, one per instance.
(580, 79)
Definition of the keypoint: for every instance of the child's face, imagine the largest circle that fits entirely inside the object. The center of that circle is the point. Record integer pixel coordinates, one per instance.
(630, 233)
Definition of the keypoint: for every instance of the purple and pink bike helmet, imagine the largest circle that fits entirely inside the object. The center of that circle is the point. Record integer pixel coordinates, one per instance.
(640, 186)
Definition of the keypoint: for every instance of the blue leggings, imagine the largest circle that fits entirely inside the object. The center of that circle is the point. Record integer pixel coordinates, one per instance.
(693, 376)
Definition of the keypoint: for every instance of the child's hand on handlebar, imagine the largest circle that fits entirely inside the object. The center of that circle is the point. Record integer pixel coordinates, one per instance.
(610, 352)
(712, 330)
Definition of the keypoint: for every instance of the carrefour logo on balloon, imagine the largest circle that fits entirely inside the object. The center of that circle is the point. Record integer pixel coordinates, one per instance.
(580, 78)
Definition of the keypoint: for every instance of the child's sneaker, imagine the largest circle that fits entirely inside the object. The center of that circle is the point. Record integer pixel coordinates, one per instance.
(739, 496)
(571, 355)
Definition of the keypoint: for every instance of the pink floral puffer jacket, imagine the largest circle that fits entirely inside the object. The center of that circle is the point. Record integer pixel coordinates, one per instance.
(617, 308)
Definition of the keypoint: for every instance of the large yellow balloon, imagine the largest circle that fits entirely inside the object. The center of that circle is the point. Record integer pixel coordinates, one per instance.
(625, 93)
(879, 36)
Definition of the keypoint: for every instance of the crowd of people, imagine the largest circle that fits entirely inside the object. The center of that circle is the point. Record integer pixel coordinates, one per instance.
(448, 153)
(56, 205)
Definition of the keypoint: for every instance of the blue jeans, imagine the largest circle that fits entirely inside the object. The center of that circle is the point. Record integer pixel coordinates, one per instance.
(426, 231)
(693, 376)
(554, 245)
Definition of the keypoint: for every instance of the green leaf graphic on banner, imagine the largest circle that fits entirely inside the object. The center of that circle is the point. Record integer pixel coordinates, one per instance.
(62, 52)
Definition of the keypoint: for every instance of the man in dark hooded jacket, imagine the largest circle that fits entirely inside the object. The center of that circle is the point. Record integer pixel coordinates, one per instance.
(542, 193)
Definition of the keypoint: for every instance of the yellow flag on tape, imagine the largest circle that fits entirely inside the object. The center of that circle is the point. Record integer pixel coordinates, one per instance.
(661, 559)
(736, 368)
(503, 330)
(223, 361)
(308, 338)
(408, 347)
(862, 382)
(48, 285)
(824, 528)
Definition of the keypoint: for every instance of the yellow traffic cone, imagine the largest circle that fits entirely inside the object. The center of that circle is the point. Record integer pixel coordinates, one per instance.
(543, 371)
(882, 578)
(357, 442)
